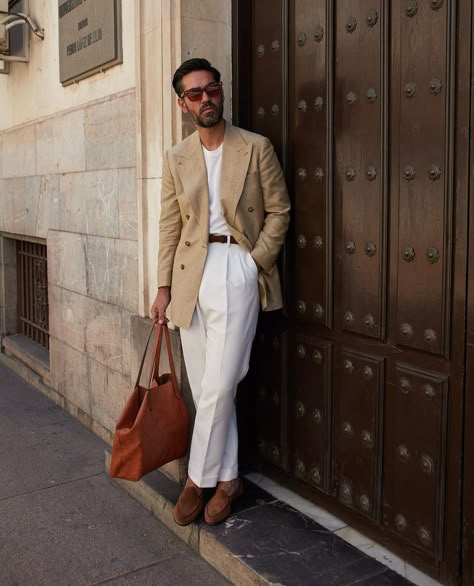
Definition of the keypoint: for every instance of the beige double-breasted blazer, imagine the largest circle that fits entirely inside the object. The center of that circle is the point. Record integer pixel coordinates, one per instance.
(255, 206)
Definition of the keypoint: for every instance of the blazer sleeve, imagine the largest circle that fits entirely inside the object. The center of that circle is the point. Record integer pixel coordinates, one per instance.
(170, 226)
(276, 207)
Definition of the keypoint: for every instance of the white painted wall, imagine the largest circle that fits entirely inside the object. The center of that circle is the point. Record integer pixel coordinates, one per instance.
(32, 91)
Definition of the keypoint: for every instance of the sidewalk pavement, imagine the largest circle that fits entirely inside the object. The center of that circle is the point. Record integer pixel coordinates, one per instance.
(63, 522)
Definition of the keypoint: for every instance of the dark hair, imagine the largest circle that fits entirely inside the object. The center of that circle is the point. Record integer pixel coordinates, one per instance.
(189, 66)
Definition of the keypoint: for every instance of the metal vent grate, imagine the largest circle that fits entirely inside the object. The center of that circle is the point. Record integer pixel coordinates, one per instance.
(32, 271)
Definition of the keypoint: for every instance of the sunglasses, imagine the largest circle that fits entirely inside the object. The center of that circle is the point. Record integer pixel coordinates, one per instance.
(212, 89)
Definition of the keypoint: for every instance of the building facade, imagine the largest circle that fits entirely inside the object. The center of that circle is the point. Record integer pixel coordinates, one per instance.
(80, 182)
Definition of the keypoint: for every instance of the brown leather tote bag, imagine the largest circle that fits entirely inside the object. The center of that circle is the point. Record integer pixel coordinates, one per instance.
(153, 428)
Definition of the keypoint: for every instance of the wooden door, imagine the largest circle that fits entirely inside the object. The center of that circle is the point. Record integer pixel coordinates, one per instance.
(359, 382)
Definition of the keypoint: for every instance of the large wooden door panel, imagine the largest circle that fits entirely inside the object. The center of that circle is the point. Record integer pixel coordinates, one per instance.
(367, 104)
(360, 167)
(422, 118)
(309, 151)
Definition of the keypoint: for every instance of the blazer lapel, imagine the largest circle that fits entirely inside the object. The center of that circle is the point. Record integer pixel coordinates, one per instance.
(236, 155)
(193, 174)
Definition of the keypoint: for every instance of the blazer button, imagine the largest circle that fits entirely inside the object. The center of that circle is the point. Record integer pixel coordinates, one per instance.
(182, 267)
(188, 243)
(187, 216)
(250, 209)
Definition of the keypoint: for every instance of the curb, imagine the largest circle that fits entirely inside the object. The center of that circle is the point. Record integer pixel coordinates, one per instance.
(265, 541)
(196, 535)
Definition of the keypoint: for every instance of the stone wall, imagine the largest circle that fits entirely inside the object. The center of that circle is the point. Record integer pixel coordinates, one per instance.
(80, 168)
(71, 179)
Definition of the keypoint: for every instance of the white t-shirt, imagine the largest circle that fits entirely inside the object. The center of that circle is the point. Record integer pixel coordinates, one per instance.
(213, 160)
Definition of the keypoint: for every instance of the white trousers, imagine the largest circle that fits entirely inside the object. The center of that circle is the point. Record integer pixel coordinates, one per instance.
(216, 350)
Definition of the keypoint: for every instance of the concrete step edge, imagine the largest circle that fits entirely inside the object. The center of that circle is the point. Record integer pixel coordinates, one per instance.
(195, 536)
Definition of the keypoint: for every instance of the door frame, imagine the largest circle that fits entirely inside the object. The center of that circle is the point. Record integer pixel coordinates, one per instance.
(467, 537)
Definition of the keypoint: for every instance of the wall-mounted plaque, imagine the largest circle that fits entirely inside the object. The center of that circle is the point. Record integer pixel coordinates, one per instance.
(90, 37)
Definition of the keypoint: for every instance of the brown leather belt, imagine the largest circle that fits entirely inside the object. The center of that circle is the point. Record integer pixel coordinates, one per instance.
(221, 238)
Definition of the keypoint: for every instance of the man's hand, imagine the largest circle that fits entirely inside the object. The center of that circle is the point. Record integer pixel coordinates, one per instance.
(158, 309)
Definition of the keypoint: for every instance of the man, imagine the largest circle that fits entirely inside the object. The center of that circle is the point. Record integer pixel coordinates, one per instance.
(224, 216)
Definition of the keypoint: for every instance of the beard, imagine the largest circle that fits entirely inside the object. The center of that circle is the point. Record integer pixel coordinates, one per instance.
(211, 117)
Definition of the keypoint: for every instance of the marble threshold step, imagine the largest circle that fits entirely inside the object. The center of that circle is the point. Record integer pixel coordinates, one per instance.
(267, 541)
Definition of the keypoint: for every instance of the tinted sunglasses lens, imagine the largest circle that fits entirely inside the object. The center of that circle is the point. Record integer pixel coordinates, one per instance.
(194, 95)
(211, 90)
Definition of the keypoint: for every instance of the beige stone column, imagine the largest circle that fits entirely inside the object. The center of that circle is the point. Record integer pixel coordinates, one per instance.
(167, 33)
(158, 125)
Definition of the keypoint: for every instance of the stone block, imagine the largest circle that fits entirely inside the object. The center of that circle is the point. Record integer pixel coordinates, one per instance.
(19, 152)
(68, 316)
(28, 200)
(151, 195)
(128, 210)
(55, 302)
(42, 204)
(8, 289)
(103, 333)
(8, 302)
(211, 10)
(90, 203)
(110, 133)
(70, 374)
(109, 392)
(12, 202)
(30, 205)
(100, 330)
(67, 261)
(112, 271)
(126, 345)
(60, 144)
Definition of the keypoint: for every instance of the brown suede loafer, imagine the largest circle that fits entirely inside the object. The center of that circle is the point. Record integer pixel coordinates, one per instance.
(219, 507)
(189, 505)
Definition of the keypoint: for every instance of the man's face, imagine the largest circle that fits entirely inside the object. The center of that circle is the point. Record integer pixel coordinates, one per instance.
(206, 112)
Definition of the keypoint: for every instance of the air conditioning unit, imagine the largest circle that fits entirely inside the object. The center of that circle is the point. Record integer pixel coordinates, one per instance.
(14, 45)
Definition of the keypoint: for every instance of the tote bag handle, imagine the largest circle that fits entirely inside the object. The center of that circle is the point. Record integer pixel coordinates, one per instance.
(153, 324)
(155, 364)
